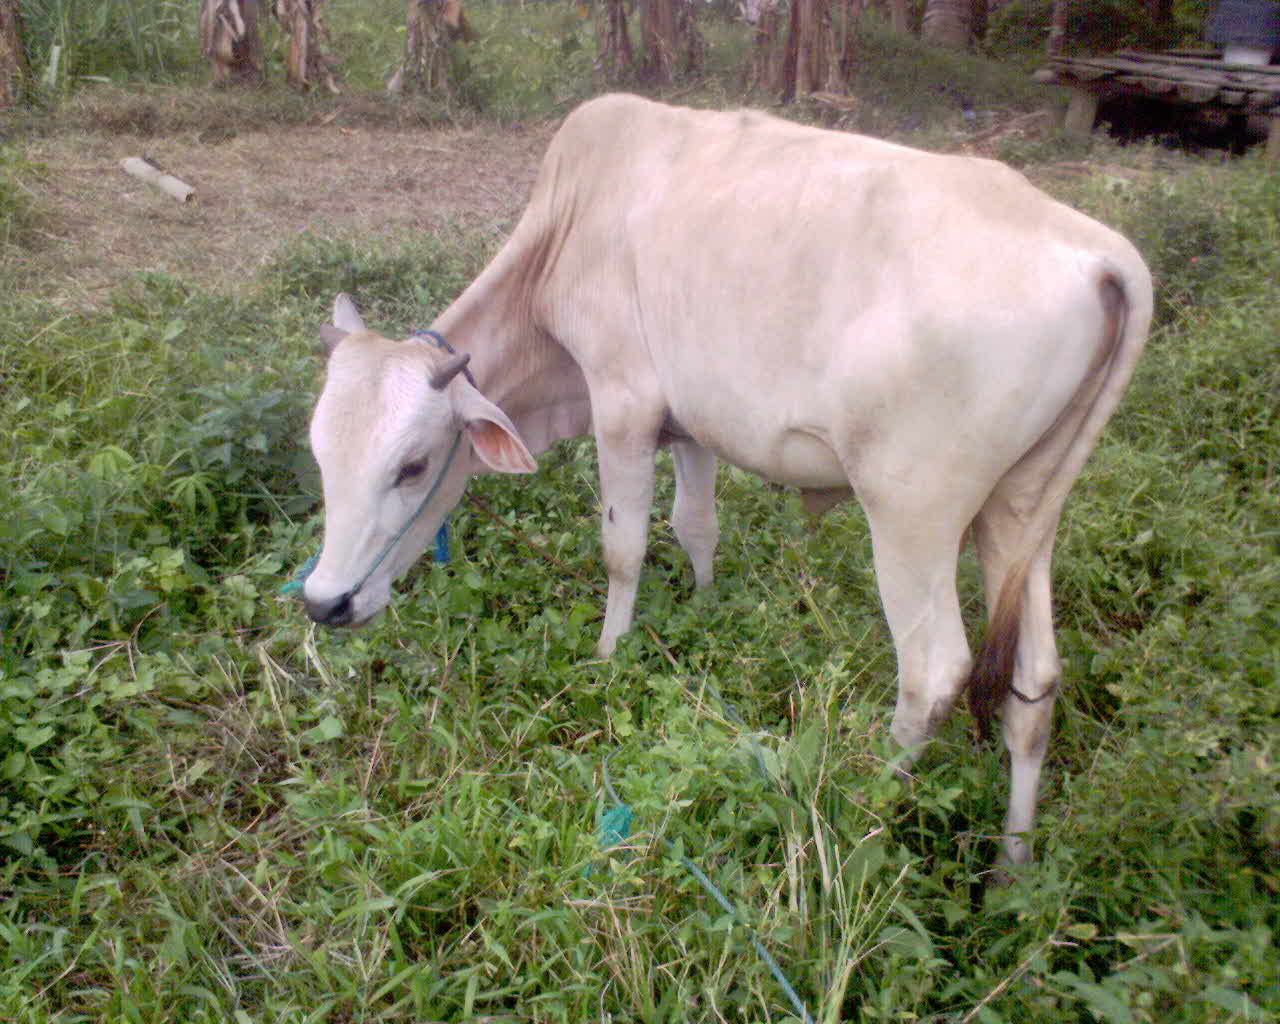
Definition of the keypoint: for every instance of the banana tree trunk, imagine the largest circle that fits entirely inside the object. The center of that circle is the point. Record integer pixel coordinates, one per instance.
(613, 41)
(230, 39)
(428, 57)
(308, 65)
(13, 58)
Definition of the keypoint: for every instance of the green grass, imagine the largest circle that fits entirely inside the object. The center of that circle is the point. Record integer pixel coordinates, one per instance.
(211, 811)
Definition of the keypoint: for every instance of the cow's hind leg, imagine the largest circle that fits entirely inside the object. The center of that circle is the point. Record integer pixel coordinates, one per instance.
(693, 516)
(916, 571)
(1028, 710)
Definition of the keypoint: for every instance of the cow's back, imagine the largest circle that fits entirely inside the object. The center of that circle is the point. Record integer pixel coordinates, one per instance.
(783, 285)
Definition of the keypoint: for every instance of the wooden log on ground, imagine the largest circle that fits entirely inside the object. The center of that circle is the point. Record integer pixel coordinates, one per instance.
(144, 169)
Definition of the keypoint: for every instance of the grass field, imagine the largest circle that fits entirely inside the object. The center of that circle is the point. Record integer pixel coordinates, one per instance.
(211, 811)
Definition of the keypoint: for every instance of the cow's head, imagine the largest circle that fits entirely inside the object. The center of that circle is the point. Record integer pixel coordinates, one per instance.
(397, 432)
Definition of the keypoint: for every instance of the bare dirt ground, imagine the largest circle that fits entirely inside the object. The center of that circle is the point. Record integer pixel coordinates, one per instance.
(257, 190)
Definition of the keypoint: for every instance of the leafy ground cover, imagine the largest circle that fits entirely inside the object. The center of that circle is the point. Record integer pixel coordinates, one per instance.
(211, 811)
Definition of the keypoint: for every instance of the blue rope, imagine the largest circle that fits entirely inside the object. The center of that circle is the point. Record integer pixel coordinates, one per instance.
(615, 828)
(295, 585)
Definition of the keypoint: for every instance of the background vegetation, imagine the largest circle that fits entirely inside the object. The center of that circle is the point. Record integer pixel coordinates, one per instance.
(211, 811)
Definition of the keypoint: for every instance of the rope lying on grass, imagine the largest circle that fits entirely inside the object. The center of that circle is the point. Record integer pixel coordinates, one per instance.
(615, 828)
(615, 824)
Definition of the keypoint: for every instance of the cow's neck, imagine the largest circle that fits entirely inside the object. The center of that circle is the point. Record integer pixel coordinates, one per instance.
(517, 366)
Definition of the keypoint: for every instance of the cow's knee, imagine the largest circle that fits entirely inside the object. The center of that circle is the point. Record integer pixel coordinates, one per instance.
(923, 706)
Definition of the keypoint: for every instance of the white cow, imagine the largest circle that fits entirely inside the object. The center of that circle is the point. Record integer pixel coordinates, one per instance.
(835, 313)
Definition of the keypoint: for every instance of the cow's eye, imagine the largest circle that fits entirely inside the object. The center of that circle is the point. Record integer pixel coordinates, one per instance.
(411, 471)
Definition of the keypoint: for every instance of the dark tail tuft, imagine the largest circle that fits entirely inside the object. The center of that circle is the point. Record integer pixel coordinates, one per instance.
(991, 677)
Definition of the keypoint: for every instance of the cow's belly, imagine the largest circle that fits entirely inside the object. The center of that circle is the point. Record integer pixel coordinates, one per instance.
(796, 458)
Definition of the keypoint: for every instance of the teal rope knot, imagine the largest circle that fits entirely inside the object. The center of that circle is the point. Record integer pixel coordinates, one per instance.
(615, 828)
(295, 585)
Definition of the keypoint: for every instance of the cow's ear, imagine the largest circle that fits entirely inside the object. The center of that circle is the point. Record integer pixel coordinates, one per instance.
(345, 315)
(491, 432)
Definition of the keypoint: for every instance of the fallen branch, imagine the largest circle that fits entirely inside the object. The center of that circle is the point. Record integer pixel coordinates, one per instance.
(141, 167)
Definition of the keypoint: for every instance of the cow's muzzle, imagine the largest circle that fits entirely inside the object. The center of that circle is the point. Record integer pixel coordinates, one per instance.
(337, 611)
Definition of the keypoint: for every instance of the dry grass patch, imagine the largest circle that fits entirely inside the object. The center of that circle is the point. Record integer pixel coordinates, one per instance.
(346, 170)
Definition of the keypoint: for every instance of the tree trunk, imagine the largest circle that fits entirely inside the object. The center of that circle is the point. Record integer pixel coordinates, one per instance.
(308, 64)
(1161, 11)
(766, 61)
(946, 23)
(614, 57)
(899, 20)
(13, 58)
(1058, 27)
(229, 37)
(979, 10)
(695, 45)
(804, 67)
(427, 57)
(819, 53)
(849, 44)
(658, 40)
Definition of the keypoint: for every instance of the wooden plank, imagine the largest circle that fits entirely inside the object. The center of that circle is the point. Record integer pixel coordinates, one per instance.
(1091, 72)
(1252, 76)
(1213, 65)
(1197, 92)
(1155, 86)
(1193, 85)
(1273, 141)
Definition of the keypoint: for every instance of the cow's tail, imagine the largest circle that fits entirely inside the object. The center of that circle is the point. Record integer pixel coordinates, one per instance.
(1125, 294)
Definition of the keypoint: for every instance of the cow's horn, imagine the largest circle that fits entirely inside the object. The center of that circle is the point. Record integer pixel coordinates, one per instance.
(451, 368)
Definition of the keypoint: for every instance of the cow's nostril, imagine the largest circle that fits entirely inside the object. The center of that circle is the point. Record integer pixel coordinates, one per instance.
(331, 613)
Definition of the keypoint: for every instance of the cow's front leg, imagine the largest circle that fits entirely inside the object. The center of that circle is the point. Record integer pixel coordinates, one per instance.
(626, 493)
